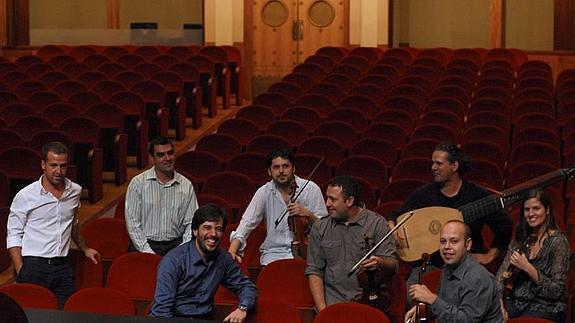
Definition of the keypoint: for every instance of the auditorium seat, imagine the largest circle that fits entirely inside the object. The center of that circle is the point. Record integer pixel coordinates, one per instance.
(390, 132)
(288, 89)
(68, 88)
(276, 101)
(377, 148)
(264, 144)
(368, 168)
(221, 145)
(305, 163)
(332, 149)
(355, 118)
(276, 311)
(88, 155)
(135, 275)
(398, 117)
(58, 112)
(306, 115)
(447, 134)
(10, 138)
(418, 168)
(100, 300)
(241, 129)
(351, 312)
(342, 80)
(422, 148)
(301, 79)
(325, 61)
(235, 188)
(362, 63)
(314, 71)
(370, 54)
(111, 68)
(114, 141)
(350, 70)
(24, 88)
(259, 115)
(292, 288)
(334, 92)
(251, 164)
(95, 60)
(319, 103)
(374, 91)
(339, 130)
(294, 130)
(486, 149)
(363, 103)
(28, 126)
(38, 68)
(405, 103)
(80, 52)
(40, 99)
(31, 296)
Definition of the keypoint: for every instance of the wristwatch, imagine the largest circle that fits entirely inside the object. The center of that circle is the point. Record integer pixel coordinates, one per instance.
(242, 308)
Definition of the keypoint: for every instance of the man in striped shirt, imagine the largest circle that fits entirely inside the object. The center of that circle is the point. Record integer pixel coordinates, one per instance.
(160, 203)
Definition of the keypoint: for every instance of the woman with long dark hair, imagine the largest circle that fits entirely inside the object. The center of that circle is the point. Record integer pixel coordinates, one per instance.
(538, 262)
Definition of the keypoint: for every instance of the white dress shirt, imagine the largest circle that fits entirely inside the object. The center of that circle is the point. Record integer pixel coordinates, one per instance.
(42, 224)
(268, 202)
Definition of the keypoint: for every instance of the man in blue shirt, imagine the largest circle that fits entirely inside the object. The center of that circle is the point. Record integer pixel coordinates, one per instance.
(189, 275)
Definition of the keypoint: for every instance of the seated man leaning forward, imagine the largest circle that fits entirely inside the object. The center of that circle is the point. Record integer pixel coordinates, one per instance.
(467, 292)
(337, 242)
(189, 275)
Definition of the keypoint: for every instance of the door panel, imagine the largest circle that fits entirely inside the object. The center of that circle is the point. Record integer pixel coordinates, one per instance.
(286, 32)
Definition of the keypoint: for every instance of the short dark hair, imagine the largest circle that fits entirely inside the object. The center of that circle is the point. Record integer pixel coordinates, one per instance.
(209, 212)
(465, 225)
(56, 147)
(454, 154)
(349, 187)
(159, 140)
(285, 153)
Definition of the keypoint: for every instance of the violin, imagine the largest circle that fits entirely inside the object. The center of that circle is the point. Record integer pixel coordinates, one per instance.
(299, 227)
(421, 311)
(512, 273)
(373, 283)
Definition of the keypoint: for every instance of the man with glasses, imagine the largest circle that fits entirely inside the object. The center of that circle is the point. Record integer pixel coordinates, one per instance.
(160, 203)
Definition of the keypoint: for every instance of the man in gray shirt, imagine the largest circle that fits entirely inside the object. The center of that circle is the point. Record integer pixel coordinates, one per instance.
(467, 291)
(336, 243)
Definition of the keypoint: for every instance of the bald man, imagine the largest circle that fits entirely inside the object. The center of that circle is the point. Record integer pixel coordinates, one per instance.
(467, 291)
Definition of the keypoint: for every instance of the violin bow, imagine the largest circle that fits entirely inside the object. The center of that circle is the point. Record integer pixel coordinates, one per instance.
(279, 220)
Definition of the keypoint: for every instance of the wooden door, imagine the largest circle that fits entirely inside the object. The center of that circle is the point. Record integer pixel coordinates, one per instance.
(286, 32)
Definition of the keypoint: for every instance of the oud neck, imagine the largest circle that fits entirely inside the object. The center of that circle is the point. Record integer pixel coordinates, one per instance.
(494, 203)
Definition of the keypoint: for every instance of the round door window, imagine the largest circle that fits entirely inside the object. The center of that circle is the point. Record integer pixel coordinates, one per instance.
(321, 13)
(274, 13)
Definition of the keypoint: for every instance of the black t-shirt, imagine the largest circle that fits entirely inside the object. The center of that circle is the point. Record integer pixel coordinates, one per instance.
(430, 195)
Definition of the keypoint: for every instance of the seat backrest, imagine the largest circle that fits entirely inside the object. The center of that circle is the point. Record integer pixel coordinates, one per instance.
(100, 300)
(31, 295)
(135, 274)
(351, 312)
(108, 236)
(292, 288)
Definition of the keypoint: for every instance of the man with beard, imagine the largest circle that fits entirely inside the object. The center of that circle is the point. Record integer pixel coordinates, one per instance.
(160, 203)
(189, 275)
(270, 201)
(467, 291)
(337, 242)
(450, 189)
(43, 218)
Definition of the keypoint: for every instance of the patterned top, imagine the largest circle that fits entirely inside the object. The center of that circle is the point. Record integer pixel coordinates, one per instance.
(552, 263)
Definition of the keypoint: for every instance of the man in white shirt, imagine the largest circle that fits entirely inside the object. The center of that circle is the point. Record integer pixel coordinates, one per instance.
(43, 218)
(160, 203)
(271, 201)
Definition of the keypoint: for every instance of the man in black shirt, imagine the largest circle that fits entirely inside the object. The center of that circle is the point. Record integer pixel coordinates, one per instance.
(450, 189)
